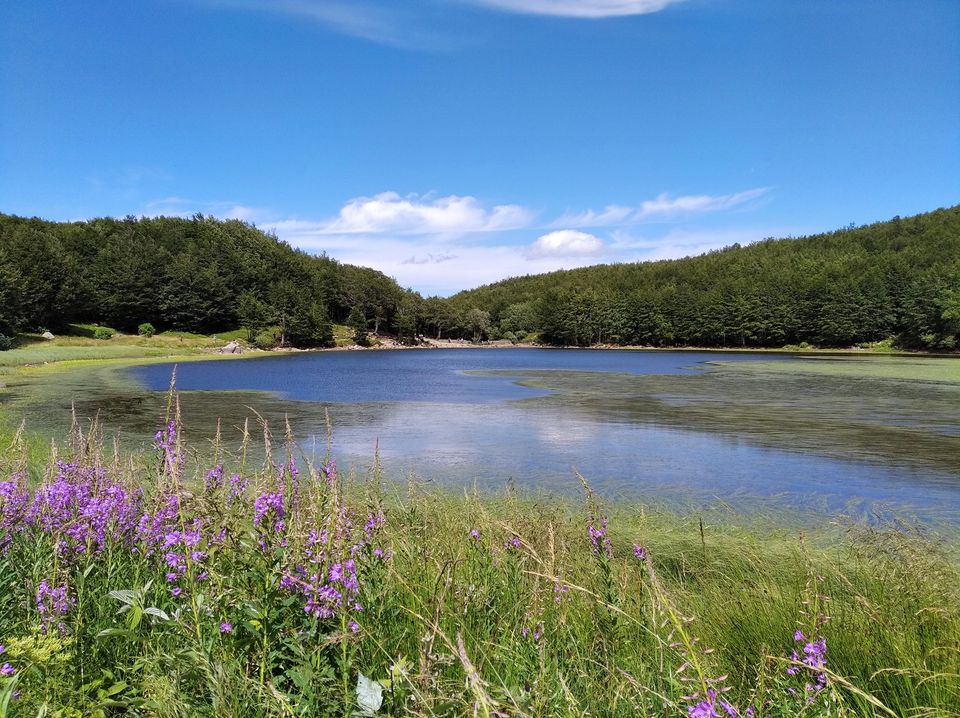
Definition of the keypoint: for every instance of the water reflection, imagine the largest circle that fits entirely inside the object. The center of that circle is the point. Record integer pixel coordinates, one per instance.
(642, 424)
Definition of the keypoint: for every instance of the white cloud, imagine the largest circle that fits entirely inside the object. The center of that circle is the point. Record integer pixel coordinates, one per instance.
(611, 214)
(566, 243)
(580, 8)
(432, 242)
(663, 207)
(390, 214)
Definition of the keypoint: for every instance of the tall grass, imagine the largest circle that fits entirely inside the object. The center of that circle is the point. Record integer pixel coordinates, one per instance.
(166, 585)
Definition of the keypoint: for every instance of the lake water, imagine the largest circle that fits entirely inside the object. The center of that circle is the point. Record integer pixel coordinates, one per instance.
(461, 417)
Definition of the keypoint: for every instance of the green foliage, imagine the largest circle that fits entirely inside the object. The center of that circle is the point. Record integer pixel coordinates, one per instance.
(268, 338)
(311, 327)
(253, 314)
(174, 273)
(478, 323)
(6, 343)
(146, 330)
(472, 604)
(854, 286)
(103, 333)
(358, 323)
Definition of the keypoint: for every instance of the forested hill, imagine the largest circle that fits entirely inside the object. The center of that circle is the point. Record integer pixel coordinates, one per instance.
(897, 279)
(198, 274)
(892, 280)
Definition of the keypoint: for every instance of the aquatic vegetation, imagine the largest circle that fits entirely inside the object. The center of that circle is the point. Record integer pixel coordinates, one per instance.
(169, 584)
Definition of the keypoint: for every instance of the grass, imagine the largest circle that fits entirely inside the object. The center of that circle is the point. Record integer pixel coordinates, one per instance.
(912, 369)
(149, 584)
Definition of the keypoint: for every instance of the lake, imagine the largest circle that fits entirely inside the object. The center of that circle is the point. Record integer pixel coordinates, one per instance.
(751, 430)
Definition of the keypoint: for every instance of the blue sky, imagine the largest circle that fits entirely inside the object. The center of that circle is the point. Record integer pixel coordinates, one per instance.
(452, 143)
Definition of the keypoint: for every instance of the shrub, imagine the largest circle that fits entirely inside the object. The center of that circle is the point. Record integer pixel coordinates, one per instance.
(103, 333)
(146, 330)
(266, 339)
(6, 343)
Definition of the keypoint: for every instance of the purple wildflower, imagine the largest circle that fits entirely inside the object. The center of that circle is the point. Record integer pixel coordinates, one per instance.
(330, 471)
(640, 552)
(598, 539)
(6, 670)
(214, 478)
(53, 602)
(226, 627)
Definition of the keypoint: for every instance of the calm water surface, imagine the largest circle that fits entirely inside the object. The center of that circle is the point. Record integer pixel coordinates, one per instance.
(439, 415)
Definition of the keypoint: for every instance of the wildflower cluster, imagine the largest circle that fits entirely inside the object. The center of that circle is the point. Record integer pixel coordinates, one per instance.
(811, 664)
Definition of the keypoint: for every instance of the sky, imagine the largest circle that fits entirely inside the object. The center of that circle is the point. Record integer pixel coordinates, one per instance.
(453, 143)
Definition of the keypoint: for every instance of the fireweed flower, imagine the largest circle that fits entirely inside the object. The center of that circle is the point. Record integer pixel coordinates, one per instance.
(705, 708)
(53, 602)
(329, 471)
(598, 539)
(214, 478)
(238, 487)
(264, 504)
(814, 659)
(166, 443)
(14, 503)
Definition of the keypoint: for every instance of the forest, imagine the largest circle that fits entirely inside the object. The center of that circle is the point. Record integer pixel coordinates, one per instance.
(198, 274)
(896, 281)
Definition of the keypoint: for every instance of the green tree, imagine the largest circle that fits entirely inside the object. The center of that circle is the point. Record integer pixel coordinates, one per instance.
(478, 322)
(357, 321)
(253, 314)
(310, 326)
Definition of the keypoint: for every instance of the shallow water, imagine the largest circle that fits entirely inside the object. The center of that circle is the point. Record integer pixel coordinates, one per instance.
(661, 425)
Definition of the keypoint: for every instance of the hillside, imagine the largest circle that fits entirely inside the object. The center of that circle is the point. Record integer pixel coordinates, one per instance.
(199, 274)
(898, 279)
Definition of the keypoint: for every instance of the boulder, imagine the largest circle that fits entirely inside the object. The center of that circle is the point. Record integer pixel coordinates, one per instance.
(48, 335)
(232, 348)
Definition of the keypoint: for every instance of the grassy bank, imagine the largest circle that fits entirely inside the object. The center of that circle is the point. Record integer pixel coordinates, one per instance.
(157, 585)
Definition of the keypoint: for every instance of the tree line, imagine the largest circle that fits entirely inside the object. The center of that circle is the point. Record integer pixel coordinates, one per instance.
(194, 274)
(897, 280)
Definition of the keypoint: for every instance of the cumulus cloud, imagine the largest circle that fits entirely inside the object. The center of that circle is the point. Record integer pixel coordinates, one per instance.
(390, 214)
(566, 243)
(579, 8)
(662, 208)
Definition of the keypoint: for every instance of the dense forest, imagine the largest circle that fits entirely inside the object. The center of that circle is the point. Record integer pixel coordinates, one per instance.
(897, 280)
(198, 274)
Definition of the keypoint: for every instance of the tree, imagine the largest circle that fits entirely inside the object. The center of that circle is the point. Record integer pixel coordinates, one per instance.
(520, 319)
(253, 314)
(310, 326)
(478, 321)
(357, 321)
